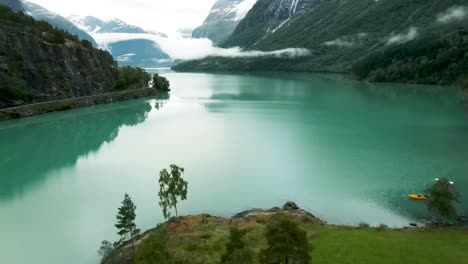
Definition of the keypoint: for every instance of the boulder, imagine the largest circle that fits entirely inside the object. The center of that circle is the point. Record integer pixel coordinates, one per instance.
(290, 206)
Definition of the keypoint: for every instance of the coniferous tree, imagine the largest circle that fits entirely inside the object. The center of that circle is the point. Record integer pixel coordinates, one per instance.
(126, 221)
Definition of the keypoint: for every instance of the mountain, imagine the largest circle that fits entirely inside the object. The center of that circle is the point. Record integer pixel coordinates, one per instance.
(40, 13)
(15, 5)
(95, 25)
(41, 63)
(223, 19)
(340, 33)
(133, 50)
(139, 52)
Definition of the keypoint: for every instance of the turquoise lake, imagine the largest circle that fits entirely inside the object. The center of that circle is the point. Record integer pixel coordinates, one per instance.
(349, 152)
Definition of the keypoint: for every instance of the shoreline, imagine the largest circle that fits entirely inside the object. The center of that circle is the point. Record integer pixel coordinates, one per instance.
(35, 109)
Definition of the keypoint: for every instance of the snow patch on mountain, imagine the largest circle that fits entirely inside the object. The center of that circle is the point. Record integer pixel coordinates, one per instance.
(243, 8)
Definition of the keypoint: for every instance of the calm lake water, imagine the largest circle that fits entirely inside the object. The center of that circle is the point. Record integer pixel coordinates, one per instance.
(347, 151)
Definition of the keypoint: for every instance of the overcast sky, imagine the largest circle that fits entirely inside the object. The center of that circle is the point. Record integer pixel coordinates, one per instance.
(161, 15)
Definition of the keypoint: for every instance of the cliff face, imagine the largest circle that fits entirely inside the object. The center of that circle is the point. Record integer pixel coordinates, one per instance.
(39, 63)
(223, 19)
(266, 18)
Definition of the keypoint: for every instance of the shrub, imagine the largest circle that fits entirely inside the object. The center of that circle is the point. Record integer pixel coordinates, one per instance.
(442, 195)
(236, 250)
(363, 225)
(287, 243)
(153, 249)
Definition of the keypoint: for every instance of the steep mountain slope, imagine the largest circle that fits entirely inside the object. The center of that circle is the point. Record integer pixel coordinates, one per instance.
(223, 19)
(131, 51)
(338, 33)
(15, 5)
(266, 18)
(39, 63)
(40, 13)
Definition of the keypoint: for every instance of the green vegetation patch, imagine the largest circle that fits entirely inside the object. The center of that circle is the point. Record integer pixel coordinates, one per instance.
(203, 239)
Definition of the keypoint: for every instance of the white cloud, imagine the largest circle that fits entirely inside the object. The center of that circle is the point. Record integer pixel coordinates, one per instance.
(125, 57)
(403, 38)
(339, 42)
(348, 41)
(453, 14)
(160, 15)
(190, 49)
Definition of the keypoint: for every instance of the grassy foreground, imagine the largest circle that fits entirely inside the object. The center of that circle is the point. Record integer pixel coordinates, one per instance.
(202, 239)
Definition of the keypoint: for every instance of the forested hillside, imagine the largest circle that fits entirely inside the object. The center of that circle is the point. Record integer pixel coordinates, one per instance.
(40, 63)
(341, 33)
(430, 60)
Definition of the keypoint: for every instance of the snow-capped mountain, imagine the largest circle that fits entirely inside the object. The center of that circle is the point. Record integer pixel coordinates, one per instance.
(40, 13)
(129, 46)
(223, 19)
(94, 25)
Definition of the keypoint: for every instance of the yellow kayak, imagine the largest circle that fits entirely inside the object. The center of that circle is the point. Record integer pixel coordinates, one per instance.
(417, 197)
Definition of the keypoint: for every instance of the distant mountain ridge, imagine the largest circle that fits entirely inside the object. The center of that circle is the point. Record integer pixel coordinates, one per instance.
(94, 25)
(40, 13)
(341, 33)
(132, 51)
(223, 19)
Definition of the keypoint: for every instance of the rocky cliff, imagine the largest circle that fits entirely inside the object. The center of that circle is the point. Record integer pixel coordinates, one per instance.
(223, 19)
(40, 63)
(266, 18)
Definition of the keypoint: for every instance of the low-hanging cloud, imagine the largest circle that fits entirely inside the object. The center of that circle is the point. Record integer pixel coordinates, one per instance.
(192, 49)
(348, 41)
(453, 14)
(403, 38)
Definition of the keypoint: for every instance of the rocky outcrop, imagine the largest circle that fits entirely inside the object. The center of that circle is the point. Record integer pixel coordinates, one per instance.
(289, 206)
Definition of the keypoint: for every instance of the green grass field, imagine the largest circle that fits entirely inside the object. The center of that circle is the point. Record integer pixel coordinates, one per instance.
(201, 239)
(337, 245)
